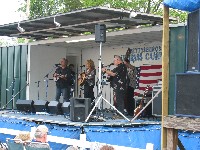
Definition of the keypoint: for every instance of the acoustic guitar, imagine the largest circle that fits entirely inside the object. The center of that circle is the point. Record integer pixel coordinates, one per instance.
(82, 79)
(139, 108)
(59, 76)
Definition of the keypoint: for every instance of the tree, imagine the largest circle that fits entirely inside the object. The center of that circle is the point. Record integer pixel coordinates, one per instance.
(41, 8)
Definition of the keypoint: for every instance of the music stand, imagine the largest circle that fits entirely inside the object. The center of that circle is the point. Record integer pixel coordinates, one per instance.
(100, 96)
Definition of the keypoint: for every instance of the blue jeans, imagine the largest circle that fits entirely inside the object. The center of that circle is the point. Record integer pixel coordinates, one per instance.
(65, 92)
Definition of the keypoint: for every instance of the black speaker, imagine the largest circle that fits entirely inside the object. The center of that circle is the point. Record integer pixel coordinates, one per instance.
(157, 102)
(187, 95)
(79, 108)
(66, 108)
(100, 33)
(193, 47)
(25, 105)
(55, 107)
(41, 105)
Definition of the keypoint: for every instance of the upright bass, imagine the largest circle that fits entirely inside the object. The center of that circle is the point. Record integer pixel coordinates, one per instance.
(139, 108)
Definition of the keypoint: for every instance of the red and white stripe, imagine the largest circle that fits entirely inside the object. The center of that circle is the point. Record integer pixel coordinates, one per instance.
(149, 75)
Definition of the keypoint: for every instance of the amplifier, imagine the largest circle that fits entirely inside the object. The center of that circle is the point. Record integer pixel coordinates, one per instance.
(157, 102)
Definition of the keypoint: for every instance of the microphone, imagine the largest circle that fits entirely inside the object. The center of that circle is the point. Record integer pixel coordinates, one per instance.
(82, 66)
(57, 65)
(109, 65)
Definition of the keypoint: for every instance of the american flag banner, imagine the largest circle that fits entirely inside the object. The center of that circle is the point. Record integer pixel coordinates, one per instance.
(147, 75)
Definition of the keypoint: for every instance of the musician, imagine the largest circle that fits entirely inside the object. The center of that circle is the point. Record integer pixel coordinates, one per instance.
(89, 80)
(119, 82)
(129, 100)
(63, 75)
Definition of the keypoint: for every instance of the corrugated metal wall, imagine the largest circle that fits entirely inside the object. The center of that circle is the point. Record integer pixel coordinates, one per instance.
(13, 70)
(177, 62)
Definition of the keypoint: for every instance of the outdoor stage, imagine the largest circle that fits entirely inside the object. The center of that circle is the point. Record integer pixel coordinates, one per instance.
(64, 132)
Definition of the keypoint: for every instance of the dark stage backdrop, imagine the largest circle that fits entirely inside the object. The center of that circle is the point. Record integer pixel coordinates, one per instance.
(13, 66)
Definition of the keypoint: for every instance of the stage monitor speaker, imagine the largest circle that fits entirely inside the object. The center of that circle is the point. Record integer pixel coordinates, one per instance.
(55, 107)
(66, 108)
(193, 45)
(41, 105)
(100, 33)
(187, 95)
(25, 105)
(157, 102)
(79, 109)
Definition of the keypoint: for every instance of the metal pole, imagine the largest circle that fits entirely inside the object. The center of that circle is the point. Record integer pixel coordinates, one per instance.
(13, 91)
(100, 79)
(38, 85)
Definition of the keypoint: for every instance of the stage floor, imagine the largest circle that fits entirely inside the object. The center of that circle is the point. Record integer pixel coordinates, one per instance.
(65, 120)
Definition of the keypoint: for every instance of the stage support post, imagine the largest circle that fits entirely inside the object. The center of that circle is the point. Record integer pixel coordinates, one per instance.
(165, 74)
(172, 139)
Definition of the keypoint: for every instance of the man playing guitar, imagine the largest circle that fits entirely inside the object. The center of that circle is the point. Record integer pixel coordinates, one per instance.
(62, 77)
(119, 80)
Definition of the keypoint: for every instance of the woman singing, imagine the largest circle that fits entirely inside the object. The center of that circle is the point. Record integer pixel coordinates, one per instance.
(89, 80)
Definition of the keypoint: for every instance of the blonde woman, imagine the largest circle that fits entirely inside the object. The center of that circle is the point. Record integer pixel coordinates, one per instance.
(89, 80)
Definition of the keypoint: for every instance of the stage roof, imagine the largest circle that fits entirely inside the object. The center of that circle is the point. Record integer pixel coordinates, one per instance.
(79, 22)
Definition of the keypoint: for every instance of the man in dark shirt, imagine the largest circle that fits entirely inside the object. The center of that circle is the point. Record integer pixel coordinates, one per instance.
(119, 82)
(62, 76)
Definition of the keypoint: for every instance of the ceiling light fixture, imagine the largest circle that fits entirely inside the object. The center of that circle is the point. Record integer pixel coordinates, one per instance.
(56, 23)
(20, 28)
(80, 40)
(132, 14)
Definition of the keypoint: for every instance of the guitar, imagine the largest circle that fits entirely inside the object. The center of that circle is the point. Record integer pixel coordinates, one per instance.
(139, 108)
(82, 79)
(59, 76)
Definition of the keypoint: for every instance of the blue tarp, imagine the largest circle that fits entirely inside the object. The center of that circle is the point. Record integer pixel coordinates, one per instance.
(190, 140)
(186, 5)
(136, 137)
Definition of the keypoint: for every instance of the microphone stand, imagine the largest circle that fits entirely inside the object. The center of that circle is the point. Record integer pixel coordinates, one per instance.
(38, 87)
(80, 93)
(12, 99)
(47, 80)
(13, 91)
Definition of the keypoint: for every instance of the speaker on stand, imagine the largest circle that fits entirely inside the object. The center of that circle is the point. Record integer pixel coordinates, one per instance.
(100, 33)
